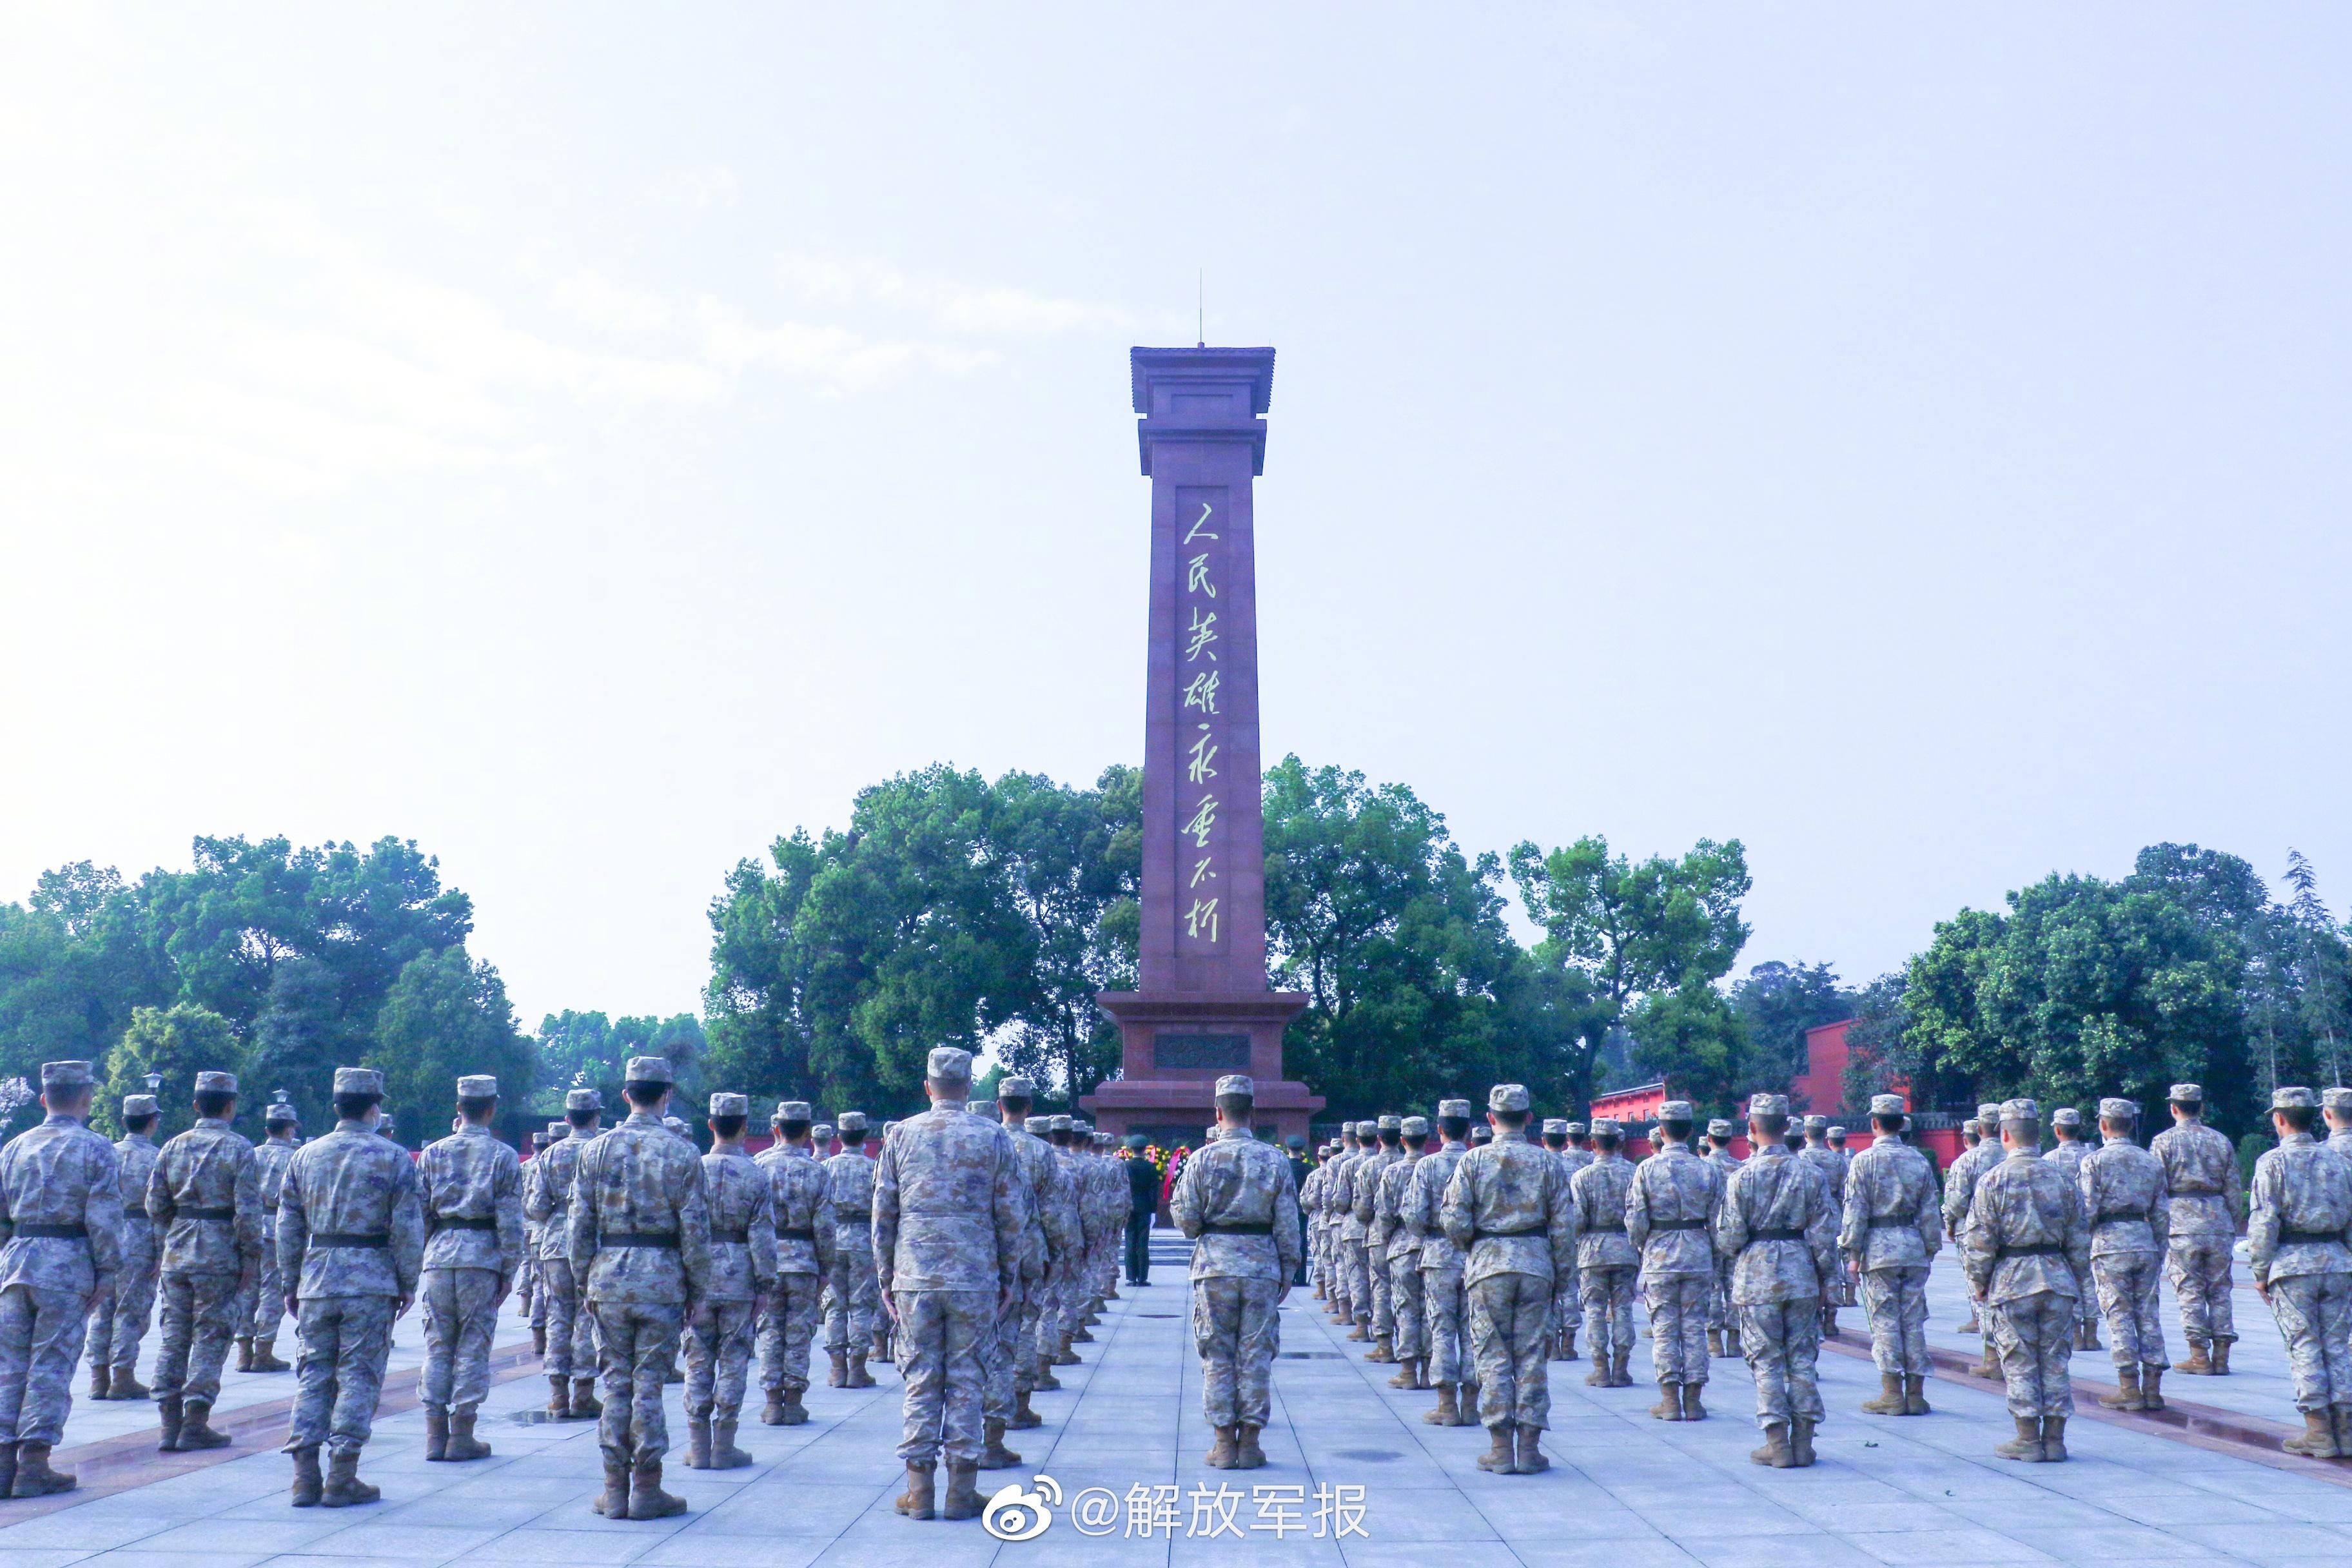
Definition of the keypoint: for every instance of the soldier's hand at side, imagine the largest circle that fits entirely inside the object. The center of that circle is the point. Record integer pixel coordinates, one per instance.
(293, 1306)
(400, 1309)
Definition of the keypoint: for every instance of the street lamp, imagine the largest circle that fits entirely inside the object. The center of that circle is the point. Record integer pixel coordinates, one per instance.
(154, 1081)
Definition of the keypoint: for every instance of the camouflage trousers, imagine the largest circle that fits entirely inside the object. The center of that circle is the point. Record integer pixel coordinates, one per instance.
(1567, 1313)
(1036, 1306)
(1237, 1329)
(1001, 1358)
(1718, 1301)
(941, 1359)
(2314, 1317)
(461, 1312)
(41, 1334)
(1406, 1306)
(852, 1298)
(1445, 1322)
(199, 1322)
(261, 1310)
(120, 1319)
(719, 1360)
(571, 1327)
(2198, 1267)
(341, 1344)
(637, 1349)
(1510, 1314)
(533, 1286)
(1353, 1258)
(2034, 1337)
(1782, 1342)
(786, 1333)
(2124, 1287)
(1376, 1267)
(1047, 1343)
(1607, 1295)
(1895, 1301)
(1678, 1305)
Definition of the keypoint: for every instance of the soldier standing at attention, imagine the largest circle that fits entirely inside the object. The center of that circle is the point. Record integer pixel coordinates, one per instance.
(2129, 1214)
(1606, 1263)
(1891, 1232)
(2027, 1248)
(854, 1303)
(1567, 1310)
(205, 1196)
(470, 1185)
(735, 1192)
(1364, 1197)
(571, 1328)
(2068, 1153)
(1818, 1154)
(1670, 1213)
(2201, 1174)
(1310, 1211)
(1508, 1208)
(1960, 1187)
(1402, 1248)
(351, 1241)
(640, 1242)
(999, 1347)
(1565, 1319)
(1044, 1346)
(1055, 1235)
(119, 1321)
(948, 1228)
(1722, 1328)
(1445, 1349)
(1778, 1221)
(1846, 1283)
(1327, 1205)
(800, 1192)
(1352, 1230)
(2299, 1241)
(1235, 1202)
(61, 1201)
(2336, 1109)
(265, 1304)
(535, 1233)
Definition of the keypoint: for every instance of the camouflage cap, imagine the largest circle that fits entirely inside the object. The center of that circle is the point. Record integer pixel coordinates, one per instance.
(1236, 1083)
(1508, 1097)
(2022, 1109)
(794, 1111)
(557, 1130)
(1391, 1122)
(281, 1113)
(2294, 1098)
(1016, 1088)
(135, 1106)
(647, 1070)
(70, 1075)
(1817, 1123)
(1061, 1122)
(1576, 1128)
(1767, 1105)
(852, 1121)
(477, 1086)
(822, 1131)
(2186, 1094)
(1104, 1140)
(2338, 1100)
(1676, 1110)
(1836, 1132)
(1460, 1107)
(678, 1124)
(1989, 1112)
(360, 1080)
(1415, 1127)
(1887, 1105)
(2114, 1110)
(1718, 1128)
(1555, 1126)
(1605, 1127)
(949, 1064)
(1080, 1124)
(2066, 1116)
(583, 1100)
(1036, 1126)
(730, 1105)
(1482, 1133)
(206, 1082)
(1367, 1132)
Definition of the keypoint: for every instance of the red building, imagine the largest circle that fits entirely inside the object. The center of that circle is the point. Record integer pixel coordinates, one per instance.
(1639, 1104)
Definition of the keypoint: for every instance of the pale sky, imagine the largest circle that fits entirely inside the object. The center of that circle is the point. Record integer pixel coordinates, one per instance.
(595, 440)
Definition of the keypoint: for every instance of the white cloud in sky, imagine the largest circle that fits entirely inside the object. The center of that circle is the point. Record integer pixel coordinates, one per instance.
(986, 310)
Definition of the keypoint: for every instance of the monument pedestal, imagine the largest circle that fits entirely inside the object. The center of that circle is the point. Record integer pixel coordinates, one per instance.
(1177, 1044)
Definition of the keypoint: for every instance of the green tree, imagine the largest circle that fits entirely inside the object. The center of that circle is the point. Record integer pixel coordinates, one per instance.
(1776, 1003)
(447, 1016)
(179, 1042)
(2322, 973)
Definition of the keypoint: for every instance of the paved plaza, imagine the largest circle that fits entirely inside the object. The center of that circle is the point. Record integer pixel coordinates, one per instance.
(1624, 1489)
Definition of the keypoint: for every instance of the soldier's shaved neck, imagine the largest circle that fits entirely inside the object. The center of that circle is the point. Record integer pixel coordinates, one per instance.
(725, 1133)
(854, 1141)
(1415, 1142)
(948, 1090)
(2110, 1128)
(1388, 1140)
(69, 1102)
(141, 1126)
(1013, 1110)
(2189, 1112)
(1676, 1132)
(1555, 1140)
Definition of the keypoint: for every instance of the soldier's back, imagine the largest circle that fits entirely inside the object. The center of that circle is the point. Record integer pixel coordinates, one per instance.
(352, 1183)
(947, 1201)
(60, 1175)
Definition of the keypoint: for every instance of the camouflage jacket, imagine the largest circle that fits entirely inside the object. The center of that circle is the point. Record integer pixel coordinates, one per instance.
(1507, 1206)
(1420, 1212)
(137, 1153)
(2068, 1154)
(549, 1206)
(1364, 1191)
(2301, 1222)
(741, 1201)
(210, 1167)
(1343, 1191)
(471, 1186)
(2026, 1232)
(850, 1176)
(1236, 1204)
(1599, 1192)
(639, 1227)
(1054, 1232)
(1831, 1164)
(2124, 1200)
(2201, 1177)
(1573, 1160)
(1960, 1182)
(1107, 1184)
(800, 1193)
(1670, 1212)
(1891, 1218)
(948, 1202)
(1723, 1160)
(60, 1174)
(1389, 1231)
(1778, 1228)
(352, 1183)
(271, 1156)
(1311, 1194)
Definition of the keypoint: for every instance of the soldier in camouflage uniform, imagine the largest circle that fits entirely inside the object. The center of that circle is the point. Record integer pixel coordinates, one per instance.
(2067, 1153)
(1818, 1154)
(1960, 1187)
(640, 1242)
(1508, 1208)
(265, 1305)
(1055, 1234)
(739, 1196)
(2299, 1242)
(1045, 1344)
(2129, 1214)
(1779, 1225)
(1722, 1328)
(1327, 1202)
(1401, 1248)
(1890, 1234)
(1352, 1258)
(571, 1355)
(2335, 1110)
(853, 1302)
(1108, 1184)
(1365, 1194)
(2027, 1249)
(1236, 1204)
(204, 1198)
(1445, 1345)
(949, 1221)
(470, 1185)
(1670, 1213)
(351, 1245)
(800, 1192)
(1606, 1263)
(119, 1321)
(1567, 1309)
(535, 1233)
(2201, 1177)
(61, 1212)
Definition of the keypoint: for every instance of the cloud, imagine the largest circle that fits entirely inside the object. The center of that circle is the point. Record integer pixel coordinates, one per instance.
(591, 300)
(980, 309)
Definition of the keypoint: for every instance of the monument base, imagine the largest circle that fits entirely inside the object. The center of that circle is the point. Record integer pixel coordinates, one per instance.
(1175, 1045)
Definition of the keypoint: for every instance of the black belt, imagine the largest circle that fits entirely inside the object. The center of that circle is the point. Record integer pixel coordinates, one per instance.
(1781, 1233)
(2196, 1192)
(454, 1222)
(1888, 1221)
(377, 1240)
(1608, 1225)
(853, 1216)
(1235, 1227)
(225, 1214)
(1658, 1224)
(56, 1232)
(2034, 1249)
(1479, 1236)
(805, 1235)
(2117, 1216)
(668, 1238)
(2285, 1236)
(731, 1237)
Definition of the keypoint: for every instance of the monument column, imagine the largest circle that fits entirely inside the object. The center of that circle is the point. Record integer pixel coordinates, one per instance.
(1201, 1007)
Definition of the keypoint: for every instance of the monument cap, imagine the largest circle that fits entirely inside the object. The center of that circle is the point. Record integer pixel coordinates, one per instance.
(1767, 1105)
(2294, 1098)
(1415, 1127)
(1508, 1097)
(725, 1104)
(71, 1075)
(647, 1070)
(1016, 1088)
(1605, 1127)
(1887, 1105)
(1236, 1083)
(2186, 1094)
(206, 1082)
(1454, 1108)
(135, 1106)
(584, 1099)
(1718, 1128)
(359, 1081)
(477, 1086)
(1675, 1110)
(2066, 1116)
(852, 1121)
(2338, 1100)
(949, 1064)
